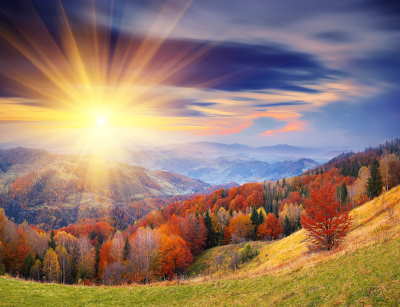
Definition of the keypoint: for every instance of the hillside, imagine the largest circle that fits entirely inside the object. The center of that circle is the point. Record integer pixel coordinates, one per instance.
(55, 190)
(364, 271)
(375, 221)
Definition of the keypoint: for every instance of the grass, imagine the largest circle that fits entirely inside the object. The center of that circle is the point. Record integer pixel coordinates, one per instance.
(369, 276)
(205, 263)
(364, 272)
(376, 221)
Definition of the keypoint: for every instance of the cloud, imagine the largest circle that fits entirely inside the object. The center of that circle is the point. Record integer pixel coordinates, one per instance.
(335, 36)
(280, 104)
(290, 127)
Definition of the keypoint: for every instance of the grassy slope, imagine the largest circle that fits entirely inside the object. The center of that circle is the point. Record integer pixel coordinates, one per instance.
(368, 276)
(365, 271)
(373, 222)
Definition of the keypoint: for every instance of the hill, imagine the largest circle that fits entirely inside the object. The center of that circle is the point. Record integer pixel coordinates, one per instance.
(375, 221)
(55, 190)
(350, 163)
(364, 271)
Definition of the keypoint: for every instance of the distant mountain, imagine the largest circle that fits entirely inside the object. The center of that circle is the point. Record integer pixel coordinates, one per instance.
(55, 190)
(217, 163)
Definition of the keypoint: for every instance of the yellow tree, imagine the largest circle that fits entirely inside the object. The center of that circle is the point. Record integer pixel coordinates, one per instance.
(239, 229)
(51, 266)
(358, 190)
(388, 169)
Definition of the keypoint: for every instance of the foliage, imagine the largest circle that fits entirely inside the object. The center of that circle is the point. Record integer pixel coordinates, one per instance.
(271, 229)
(51, 266)
(248, 253)
(374, 185)
(324, 219)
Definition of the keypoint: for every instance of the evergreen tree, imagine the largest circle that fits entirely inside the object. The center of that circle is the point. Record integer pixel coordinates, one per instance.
(26, 268)
(260, 218)
(374, 184)
(255, 220)
(287, 227)
(212, 236)
(342, 194)
(126, 250)
(254, 217)
(52, 241)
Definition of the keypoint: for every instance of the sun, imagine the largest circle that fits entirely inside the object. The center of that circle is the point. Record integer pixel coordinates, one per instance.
(101, 121)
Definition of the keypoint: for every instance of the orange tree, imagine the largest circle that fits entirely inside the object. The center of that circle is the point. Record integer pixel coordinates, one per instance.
(324, 219)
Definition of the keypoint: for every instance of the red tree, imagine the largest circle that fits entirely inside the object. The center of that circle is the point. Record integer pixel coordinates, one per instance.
(271, 228)
(325, 221)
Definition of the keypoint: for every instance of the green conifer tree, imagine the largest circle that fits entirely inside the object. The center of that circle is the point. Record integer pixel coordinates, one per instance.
(374, 184)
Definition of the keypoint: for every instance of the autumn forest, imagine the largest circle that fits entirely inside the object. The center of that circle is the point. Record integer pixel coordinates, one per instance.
(164, 243)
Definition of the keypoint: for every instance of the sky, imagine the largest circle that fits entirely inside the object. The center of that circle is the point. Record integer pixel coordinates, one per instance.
(310, 73)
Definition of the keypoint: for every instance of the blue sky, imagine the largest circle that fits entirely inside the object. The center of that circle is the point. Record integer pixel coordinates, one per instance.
(315, 73)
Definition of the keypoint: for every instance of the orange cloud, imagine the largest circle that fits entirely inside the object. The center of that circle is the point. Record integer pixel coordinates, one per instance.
(289, 127)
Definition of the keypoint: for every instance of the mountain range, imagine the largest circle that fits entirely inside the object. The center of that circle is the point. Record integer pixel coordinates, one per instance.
(217, 163)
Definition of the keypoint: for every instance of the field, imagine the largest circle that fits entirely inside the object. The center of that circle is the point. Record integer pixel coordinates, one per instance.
(365, 271)
(369, 276)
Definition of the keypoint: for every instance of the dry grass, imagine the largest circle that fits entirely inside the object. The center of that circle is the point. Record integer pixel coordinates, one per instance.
(363, 271)
(374, 222)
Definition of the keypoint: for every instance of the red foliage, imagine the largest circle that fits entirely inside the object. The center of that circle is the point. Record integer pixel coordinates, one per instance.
(93, 230)
(271, 228)
(293, 198)
(324, 220)
(175, 255)
(105, 257)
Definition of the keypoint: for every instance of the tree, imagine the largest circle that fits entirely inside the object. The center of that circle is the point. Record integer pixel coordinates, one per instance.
(26, 268)
(36, 270)
(325, 221)
(389, 168)
(358, 190)
(374, 185)
(115, 274)
(117, 246)
(175, 255)
(271, 228)
(212, 236)
(255, 220)
(65, 261)
(86, 258)
(51, 266)
(127, 250)
(287, 227)
(52, 242)
(193, 231)
(239, 229)
(144, 245)
(248, 253)
(342, 193)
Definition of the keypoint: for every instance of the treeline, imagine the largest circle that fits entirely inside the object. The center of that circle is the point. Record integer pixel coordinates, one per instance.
(350, 164)
(165, 242)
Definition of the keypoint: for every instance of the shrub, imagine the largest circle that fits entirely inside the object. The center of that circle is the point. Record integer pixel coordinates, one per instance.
(248, 253)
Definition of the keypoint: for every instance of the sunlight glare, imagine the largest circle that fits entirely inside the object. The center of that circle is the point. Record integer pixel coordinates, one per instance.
(101, 121)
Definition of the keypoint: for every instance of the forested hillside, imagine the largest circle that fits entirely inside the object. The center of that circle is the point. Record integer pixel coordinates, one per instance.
(52, 190)
(164, 243)
(363, 271)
